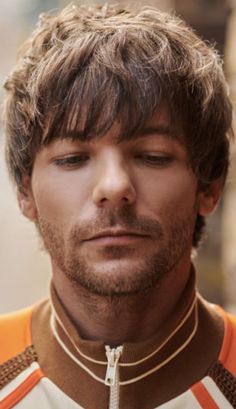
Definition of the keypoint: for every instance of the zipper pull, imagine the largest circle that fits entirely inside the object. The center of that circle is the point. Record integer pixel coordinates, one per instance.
(113, 356)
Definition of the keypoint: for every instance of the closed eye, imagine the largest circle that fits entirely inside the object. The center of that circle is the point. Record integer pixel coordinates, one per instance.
(71, 161)
(158, 160)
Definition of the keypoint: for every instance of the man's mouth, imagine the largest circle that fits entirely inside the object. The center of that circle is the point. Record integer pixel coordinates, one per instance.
(116, 237)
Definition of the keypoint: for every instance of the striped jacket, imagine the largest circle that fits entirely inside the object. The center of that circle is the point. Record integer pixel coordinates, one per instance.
(24, 385)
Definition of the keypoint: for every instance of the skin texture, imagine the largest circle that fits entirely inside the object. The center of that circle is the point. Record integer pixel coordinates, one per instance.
(142, 196)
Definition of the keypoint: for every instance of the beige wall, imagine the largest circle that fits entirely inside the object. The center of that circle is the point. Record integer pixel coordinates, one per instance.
(229, 211)
(24, 270)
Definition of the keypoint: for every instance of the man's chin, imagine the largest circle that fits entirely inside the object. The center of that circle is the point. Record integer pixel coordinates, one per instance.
(114, 278)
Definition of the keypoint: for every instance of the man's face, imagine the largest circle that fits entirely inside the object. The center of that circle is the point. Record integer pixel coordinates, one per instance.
(116, 217)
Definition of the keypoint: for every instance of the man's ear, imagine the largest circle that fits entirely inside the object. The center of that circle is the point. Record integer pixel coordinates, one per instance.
(209, 197)
(26, 199)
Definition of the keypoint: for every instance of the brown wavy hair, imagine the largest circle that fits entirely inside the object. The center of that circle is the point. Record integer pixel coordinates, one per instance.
(86, 66)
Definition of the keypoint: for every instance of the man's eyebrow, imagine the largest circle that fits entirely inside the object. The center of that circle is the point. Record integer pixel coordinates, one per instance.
(161, 129)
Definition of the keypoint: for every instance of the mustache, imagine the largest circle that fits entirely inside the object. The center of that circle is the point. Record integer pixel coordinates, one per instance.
(122, 218)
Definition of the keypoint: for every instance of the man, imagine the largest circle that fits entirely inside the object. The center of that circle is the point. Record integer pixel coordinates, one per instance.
(117, 138)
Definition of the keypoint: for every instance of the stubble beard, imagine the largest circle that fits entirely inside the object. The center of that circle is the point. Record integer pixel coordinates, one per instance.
(173, 241)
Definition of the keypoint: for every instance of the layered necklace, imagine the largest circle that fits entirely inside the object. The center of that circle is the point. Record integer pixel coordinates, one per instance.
(113, 354)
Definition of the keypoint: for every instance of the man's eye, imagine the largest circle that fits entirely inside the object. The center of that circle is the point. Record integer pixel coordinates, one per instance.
(159, 160)
(72, 161)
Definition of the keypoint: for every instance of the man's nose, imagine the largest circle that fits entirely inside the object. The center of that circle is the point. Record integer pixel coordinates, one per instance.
(114, 186)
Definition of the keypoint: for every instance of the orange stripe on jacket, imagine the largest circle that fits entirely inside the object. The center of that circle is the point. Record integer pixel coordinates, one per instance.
(22, 390)
(228, 351)
(15, 333)
(203, 397)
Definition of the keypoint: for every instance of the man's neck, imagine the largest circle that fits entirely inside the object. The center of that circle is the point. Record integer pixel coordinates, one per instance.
(131, 318)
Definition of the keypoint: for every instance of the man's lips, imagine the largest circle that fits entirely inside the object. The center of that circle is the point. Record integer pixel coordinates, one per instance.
(115, 237)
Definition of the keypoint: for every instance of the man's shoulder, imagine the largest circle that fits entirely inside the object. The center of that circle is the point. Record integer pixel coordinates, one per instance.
(15, 333)
(228, 350)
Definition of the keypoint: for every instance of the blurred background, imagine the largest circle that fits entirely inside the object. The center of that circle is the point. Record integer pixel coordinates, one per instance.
(24, 268)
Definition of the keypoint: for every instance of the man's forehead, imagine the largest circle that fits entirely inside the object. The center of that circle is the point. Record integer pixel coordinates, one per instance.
(155, 126)
(158, 124)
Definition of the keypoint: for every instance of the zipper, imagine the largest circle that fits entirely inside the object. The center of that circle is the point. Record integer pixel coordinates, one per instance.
(112, 374)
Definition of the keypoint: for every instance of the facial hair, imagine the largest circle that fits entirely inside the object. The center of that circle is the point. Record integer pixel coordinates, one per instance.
(172, 242)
